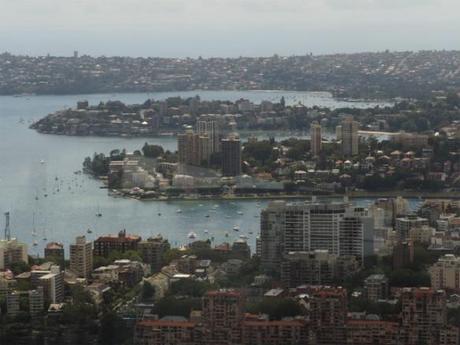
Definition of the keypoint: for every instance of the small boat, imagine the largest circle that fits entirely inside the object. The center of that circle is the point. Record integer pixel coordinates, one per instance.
(45, 195)
(207, 216)
(191, 235)
(250, 232)
(239, 212)
(89, 231)
(45, 239)
(244, 237)
(35, 243)
(226, 234)
(215, 206)
(206, 231)
(42, 162)
(159, 213)
(99, 214)
(178, 210)
(236, 228)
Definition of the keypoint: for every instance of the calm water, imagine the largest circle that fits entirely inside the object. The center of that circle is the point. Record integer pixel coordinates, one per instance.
(69, 212)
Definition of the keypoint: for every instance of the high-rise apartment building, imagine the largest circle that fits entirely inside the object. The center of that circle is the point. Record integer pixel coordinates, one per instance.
(424, 314)
(316, 268)
(445, 273)
(315, 138)
(338, 227)
(404, 224)
(152, 251)
(350, 139)
(36, 301)
(208, 126)
(53, 287)
(12, 251)
(193, 148)
(81, 257)
(222, 316)
(55, 252)
(231, 156)
(328, 313)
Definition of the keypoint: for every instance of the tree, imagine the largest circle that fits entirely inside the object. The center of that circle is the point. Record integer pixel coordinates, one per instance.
(189, 287)
(277, 308)
(152, 151)
(148, 291)
(283, 102)
(19, 267)
(113, 330)
(260, 151)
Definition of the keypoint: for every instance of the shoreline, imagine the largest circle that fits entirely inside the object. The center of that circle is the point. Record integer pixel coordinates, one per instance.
(351, 195)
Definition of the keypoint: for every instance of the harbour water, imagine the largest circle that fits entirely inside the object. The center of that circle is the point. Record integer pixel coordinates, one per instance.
(48, 201)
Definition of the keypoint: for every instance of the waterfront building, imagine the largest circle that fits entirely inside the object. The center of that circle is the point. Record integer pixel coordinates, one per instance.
(392, 208)
(81, 257)
(410, 140)
(338, 227)
(152, 251)
(445, 273)
(193, 148)
(231, 156)
(404, 224)
(208, 126)
(376, 287)
(350, 138)
(12, 251)
(318, 267)
(315, 138)
(105, 245)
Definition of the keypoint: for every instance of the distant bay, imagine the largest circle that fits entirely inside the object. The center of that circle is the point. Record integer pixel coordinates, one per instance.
(40, 190)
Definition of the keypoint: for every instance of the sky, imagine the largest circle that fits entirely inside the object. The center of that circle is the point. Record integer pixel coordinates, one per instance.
(227, 28)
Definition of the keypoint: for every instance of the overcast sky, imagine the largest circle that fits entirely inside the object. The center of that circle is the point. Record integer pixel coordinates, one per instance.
(226, 27)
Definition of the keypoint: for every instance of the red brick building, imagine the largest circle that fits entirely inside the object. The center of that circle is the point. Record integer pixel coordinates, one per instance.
(104, 245)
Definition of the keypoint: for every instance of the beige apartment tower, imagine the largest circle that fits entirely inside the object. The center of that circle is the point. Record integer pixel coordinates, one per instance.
(315, 138)
(81, 257)
(350, 139)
